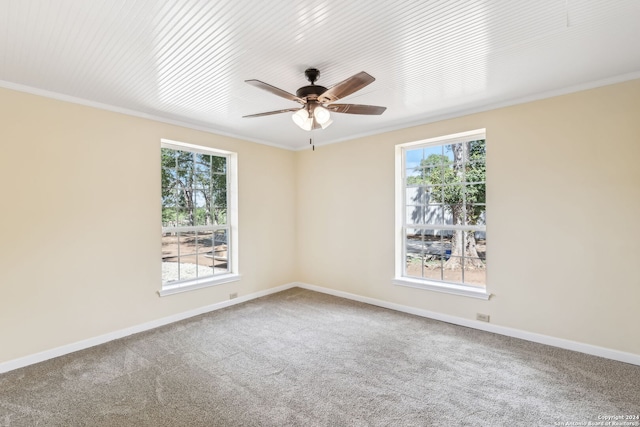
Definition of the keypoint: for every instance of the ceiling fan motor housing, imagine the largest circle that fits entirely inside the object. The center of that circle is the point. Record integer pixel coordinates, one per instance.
(311, 92)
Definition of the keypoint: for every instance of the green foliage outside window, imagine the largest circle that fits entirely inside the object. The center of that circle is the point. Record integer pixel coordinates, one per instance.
(194, 189)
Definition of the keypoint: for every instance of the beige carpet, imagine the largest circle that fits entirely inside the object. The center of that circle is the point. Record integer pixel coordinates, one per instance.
(300, 358)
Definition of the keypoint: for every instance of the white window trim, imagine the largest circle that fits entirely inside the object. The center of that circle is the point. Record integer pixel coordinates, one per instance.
(195, 284)
(430, 285)
(232, 219)
(445, 287)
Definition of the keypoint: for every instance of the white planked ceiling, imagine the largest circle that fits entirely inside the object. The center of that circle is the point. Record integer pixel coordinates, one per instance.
(186, 60)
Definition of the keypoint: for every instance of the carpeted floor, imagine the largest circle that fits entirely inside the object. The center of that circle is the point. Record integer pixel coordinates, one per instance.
(300, 358)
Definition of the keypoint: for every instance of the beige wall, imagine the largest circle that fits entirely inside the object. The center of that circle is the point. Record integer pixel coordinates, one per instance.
(80, 249)
(80, 246)
(563, 190)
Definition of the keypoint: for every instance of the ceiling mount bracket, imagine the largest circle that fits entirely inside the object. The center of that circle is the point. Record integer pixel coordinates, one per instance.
(312, 74)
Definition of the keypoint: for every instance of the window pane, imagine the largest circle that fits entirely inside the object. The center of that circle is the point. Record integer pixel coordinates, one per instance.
(169, 204)
(436, 174)
(221, 252)
(475, 193)
(434, 215)
(188, 257)
(475, 172)
(201, 213)
(432, 174)
(433, 267)
(453, 153)
(481, 244)
(447, 215)
(433, 156)
(415, 195)
(413, 158)
(452, 193)
(218, 182)
(218, 202)
(477, 150)
(187, 242)
(218, 216)
(169, 216)
(184, 256)
(218, 206)
(169, 257)
(434, 242)
(446, 240)
(414, 176)
(424, 253)
(218, 164)
(183, 217)
(184, 160)
(205, 253)
(169, 156)
(470, 244)
(203, 160)
(414, 241)
(415, 214)
(476, 215)
(432, 194)
(475, 272)
(453, 214)
(452, 271)
(203, 164)
(169, 176)
(414, 265)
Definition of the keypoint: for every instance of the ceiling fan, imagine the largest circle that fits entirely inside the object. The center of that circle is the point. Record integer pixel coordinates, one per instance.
(318, 101)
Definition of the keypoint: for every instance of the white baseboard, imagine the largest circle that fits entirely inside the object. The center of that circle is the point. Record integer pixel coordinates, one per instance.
(607, 353)
(593, 350)
(101, 339)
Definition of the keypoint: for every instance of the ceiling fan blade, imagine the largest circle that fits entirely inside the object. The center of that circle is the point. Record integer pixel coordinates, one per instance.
(274, 90)
(346, 87)
(268, 113)
(372, 110)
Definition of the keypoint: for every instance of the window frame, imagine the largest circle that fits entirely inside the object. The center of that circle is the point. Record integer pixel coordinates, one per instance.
(232, 274)
(401, 220)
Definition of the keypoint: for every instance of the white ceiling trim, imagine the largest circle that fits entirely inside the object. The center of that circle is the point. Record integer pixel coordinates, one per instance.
(488, 107)
(453, 115)
(88, 103)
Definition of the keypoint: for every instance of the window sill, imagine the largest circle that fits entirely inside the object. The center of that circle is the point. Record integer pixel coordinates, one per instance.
(197, 284)
(447, 288)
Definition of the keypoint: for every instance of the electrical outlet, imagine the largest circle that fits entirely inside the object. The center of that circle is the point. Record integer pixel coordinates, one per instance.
(482, 317)
(233, 295)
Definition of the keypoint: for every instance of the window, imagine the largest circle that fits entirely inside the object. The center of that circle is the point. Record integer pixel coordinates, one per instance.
(199, 233)
(441, 214)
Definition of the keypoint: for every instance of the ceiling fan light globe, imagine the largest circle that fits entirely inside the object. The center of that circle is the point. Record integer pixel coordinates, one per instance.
(307, 124)
(326, 124)
(322, 115)
(300, 117)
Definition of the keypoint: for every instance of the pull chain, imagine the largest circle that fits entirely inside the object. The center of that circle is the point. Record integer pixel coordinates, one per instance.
(312, 140)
